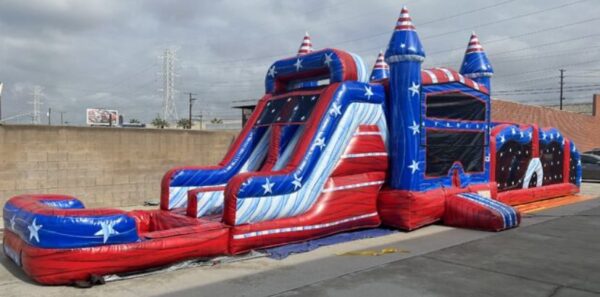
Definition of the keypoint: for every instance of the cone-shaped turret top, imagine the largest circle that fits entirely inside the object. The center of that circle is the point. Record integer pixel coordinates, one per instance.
(404, 44)
(306, 46)
(381, 70)
(476, 63)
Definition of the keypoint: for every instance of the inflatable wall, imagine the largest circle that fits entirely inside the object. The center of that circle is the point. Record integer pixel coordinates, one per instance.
(329, 148)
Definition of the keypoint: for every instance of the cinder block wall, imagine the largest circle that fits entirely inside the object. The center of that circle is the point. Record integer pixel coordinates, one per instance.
(102, 166)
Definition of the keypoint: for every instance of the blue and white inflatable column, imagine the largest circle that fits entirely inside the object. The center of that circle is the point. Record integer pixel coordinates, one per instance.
(476, 64)
(404, 57)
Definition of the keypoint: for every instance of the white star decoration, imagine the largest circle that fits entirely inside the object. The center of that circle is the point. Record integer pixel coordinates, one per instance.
(414, 128)
(502, 138)
(320, 142)
(12, 223)
(412, 49)
(297, 182)
(368, 92)
(402, 45)
(272, 71)
(328, 59)
(268, 186)
(513, 131)
(33, 231)
(335, 110)
(529, 135)
(298, 64)
(414, 89)
(414, 167)
(106, 230)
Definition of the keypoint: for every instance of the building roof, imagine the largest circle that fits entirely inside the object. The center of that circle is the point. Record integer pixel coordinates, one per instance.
(583, 130)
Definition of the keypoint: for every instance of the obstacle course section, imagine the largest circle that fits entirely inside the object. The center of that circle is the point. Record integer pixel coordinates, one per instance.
(530, 164)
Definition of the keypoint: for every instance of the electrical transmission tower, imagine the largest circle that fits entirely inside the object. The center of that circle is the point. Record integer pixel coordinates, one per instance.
(169, 112)
(37, 103)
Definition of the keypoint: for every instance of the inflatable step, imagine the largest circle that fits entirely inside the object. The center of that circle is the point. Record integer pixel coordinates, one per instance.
(470, 210)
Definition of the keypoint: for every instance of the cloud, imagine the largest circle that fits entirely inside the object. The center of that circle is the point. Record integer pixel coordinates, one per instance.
(105, 53)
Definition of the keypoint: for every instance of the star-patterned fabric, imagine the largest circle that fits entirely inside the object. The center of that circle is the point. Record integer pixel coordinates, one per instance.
(288, 110)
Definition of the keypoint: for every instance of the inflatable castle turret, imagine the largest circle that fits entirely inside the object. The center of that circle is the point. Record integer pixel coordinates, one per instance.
(404, 57)
(306, 46)
(476, 64)
(381, 70)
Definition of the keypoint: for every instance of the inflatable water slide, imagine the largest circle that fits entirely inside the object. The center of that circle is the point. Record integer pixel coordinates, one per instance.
(329, 148)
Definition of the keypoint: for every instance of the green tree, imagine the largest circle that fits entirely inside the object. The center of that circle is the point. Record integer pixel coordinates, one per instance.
(158, 122)
(134, 121)
(216, 121)
(184, 123)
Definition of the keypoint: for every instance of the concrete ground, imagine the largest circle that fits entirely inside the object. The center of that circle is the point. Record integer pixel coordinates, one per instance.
(554, 253)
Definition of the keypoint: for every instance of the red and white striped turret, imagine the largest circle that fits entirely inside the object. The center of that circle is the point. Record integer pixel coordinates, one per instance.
(474, 45)
(380, 62)
(404, 21)
(306, 46)
(381, 70)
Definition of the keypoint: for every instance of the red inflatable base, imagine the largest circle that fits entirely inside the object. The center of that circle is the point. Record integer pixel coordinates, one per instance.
(523, 196)
(65, 266)
(408, 210)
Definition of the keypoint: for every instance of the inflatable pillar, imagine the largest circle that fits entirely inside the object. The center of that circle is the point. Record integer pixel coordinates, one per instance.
(306, 46)
(381, 70)
(476, 65)
(404, 57)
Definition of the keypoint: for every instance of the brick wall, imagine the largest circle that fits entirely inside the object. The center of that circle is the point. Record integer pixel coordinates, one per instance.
(583, 129)
(101, 166)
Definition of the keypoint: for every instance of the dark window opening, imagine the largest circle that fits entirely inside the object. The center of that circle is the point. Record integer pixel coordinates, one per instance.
(512, 160)
(455, 106)
(444, 148)
(551, 156)
(289, 109)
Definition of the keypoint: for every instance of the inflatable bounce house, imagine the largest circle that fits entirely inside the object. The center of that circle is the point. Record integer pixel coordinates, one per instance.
(328, 149)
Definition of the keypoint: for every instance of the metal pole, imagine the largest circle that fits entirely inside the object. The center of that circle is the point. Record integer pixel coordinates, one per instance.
(190, 111)
(562, 82)
(49, 116)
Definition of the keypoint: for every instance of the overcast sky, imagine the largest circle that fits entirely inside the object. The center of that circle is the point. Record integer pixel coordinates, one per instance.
(105, 53)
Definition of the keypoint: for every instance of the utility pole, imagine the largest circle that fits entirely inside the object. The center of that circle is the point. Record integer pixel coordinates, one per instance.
(49, 116)
(61, 118)
(190, 110)
(562, 82)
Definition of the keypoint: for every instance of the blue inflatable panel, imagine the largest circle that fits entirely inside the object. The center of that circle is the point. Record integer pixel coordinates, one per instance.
(64, 223)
